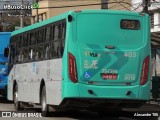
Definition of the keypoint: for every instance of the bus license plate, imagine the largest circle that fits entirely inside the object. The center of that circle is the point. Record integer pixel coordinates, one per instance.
(106, 76)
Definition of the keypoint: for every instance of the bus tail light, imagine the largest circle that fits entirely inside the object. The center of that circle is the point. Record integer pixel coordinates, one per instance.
(72, 69)
(145, 69)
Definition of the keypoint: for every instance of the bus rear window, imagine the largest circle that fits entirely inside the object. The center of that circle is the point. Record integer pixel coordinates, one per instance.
(130, 24)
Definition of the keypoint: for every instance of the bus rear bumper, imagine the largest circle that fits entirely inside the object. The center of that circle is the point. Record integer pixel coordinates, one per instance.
(126, 95)
(92, 103)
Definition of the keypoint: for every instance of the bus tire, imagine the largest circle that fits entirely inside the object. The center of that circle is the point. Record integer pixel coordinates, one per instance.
(44, 106)
(17, 104)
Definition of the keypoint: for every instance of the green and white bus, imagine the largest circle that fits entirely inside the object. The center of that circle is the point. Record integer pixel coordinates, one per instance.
(89, 59)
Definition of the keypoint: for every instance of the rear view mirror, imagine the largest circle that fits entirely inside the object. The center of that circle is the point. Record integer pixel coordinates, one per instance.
(6, 52)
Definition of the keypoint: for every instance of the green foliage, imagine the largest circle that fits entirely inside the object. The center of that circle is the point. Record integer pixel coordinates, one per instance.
(8, 28)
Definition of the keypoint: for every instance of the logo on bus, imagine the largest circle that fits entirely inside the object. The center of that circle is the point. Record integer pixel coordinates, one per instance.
(91, 64)
(92, 54)
(87, 74)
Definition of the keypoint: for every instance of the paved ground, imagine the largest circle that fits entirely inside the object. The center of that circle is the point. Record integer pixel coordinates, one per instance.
(128, 114)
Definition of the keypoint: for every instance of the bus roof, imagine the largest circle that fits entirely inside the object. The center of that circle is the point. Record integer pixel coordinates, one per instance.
(42, 23)
(5, 33)
(64, 15)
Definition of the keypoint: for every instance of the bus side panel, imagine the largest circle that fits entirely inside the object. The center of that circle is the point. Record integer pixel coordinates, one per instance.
(23, 81)
(53, 92)
(14, 77)
(49, 71)
(144, 92)
(10, 85)
(9, 90)
(54, 82)
(70, 90)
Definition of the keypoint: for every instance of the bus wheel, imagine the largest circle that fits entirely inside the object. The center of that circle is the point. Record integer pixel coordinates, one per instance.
(17, 104)
(44, 106)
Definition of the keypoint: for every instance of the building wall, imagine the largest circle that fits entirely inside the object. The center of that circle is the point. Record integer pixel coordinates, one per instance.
(50, 12)
(125, 5)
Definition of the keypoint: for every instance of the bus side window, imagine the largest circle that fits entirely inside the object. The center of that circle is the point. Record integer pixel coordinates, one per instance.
(24, 55)
(62, 48)
(12, 54)
(54, 50)
(39, 52)
(47, 33)
(32, 39)
(12, 50)
(36, 33)
(18, 56)
(16, 46)
(25, 40)
(60, 31)
(63, 30)
(40, 36)
(63, 38)
(18, 43)
(32, 53)
(47, 48)
(52, 32)
(56, 32)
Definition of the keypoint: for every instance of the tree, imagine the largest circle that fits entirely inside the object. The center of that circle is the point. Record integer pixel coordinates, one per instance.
(1, 28)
